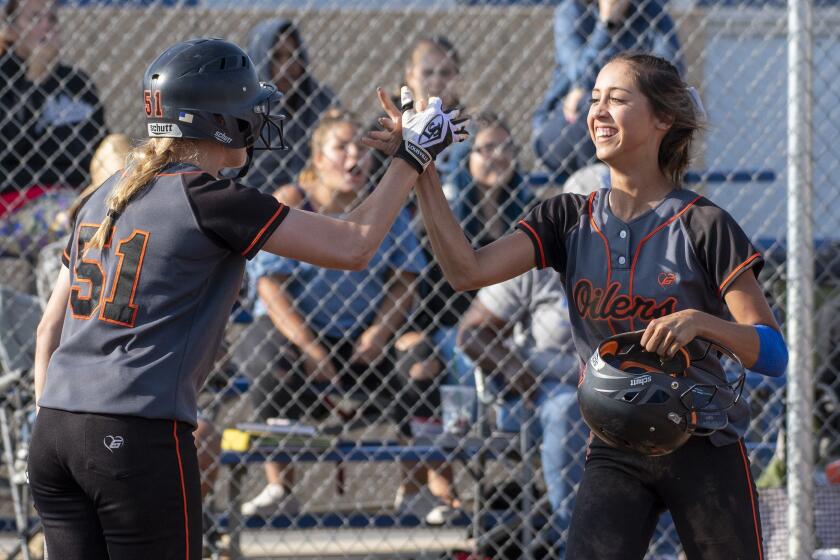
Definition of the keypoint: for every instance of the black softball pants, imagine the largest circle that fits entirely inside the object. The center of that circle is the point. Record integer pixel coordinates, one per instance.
(113, 487)
(708, 490)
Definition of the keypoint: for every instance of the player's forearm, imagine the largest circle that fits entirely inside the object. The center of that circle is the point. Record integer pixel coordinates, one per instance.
(46, 342)
(376, 214)
(48, 334)
(454, 254)
(742, 339)
(484, 346)
(285, 317)
(396, 304)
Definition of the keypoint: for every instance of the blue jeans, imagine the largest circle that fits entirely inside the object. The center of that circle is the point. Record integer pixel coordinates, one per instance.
(557, 423)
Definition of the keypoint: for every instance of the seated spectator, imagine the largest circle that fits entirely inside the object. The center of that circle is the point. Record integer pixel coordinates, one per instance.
(318, 328)
(43, 224)
(489, 196)
(51, 116)
(518, 333)
(434, 70)
(280, 56)
(586, 35)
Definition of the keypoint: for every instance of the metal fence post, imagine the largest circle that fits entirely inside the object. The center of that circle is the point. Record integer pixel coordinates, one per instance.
(800, 286)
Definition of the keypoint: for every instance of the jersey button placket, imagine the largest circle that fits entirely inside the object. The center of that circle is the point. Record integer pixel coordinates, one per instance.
(623, 246)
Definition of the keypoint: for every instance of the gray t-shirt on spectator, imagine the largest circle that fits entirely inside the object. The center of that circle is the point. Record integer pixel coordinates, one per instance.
(536, 304)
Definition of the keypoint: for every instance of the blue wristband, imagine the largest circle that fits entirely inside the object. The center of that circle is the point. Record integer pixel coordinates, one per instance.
(772, 352)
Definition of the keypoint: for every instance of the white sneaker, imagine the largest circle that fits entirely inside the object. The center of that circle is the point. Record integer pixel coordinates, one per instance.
(419, 505)
(273, 500)
(442, 514)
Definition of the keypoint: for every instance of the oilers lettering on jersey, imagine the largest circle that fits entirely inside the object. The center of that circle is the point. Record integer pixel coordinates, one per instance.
(682, 254)
(599, 305)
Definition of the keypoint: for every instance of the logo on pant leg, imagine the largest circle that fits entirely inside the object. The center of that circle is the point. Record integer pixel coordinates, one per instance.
(113, 442)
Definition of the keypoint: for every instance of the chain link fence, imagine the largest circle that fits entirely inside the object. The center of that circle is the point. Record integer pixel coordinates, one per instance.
(424, 446)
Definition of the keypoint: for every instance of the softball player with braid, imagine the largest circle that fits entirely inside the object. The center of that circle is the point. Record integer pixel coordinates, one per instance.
(645, 254)
(150, 275)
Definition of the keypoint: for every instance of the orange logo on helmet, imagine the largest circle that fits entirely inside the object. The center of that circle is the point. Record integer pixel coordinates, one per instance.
(666, 279)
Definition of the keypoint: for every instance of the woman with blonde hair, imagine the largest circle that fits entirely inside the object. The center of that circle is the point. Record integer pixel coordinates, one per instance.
(315, 326)
(151, 273)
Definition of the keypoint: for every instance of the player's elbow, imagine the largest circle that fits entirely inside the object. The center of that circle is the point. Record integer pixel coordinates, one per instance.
(462, 281)
(359, 252)
(48, 331)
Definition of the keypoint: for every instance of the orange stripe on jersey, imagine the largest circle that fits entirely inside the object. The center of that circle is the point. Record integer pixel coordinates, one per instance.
(756, 526)
(735, 272)
(659, 228)
(607, 247)
(526, 225)
(265, 227)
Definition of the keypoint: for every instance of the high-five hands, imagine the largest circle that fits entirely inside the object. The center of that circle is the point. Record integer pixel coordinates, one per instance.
(416, 137)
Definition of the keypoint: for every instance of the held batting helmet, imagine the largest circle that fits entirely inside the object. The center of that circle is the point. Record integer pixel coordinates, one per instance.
(634, 400)
(208, 89)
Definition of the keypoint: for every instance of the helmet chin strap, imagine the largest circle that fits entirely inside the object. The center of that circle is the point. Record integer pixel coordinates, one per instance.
(244, 169)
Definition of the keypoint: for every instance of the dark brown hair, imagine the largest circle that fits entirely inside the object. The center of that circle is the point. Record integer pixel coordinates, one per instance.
(438, 42)
(669, 98)
(489, 119)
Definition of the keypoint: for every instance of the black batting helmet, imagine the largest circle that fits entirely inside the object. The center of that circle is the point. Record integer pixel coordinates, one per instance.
(633, 399)
(208, 89)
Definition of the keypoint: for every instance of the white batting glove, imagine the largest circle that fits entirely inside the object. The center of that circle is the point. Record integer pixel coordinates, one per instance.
(429, 132)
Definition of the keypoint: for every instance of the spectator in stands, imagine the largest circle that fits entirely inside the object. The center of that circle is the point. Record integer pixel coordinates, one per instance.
(51, 116)
(277, 50)
(433, 70)
(587, 33)
(518, 333)
(488, 197)
(43, 224)
(318, 328)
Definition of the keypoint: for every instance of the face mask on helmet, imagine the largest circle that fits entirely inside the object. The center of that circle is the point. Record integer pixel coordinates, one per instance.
(634, 400)
(264, 127)
(270, 124)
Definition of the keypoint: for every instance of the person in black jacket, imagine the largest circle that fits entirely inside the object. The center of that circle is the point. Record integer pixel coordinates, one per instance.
(52, 117)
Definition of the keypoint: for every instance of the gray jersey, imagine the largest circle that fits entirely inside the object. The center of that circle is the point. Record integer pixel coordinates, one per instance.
(683, 254)
(146, 314)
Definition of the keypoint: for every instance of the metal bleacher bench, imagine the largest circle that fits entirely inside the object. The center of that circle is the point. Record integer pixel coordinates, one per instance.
(444, 448)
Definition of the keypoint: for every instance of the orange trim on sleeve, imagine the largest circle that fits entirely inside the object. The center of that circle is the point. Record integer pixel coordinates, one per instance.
(183, 488)
(265, 227)
(735, 272)
(527, 226)
(66, 254)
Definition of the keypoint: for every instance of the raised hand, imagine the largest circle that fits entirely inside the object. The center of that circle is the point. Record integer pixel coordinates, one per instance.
(416, 137)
